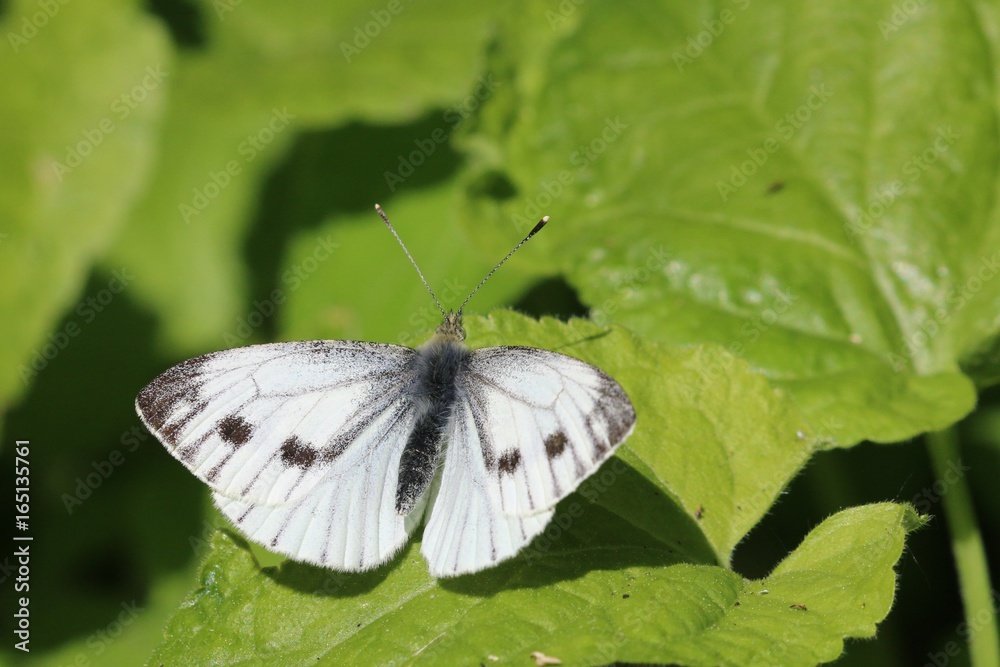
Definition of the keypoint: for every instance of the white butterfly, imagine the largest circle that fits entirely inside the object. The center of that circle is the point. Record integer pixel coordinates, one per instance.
(326, 451)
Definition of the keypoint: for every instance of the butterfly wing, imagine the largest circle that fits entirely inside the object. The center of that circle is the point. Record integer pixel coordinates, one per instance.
(528, 427)
(348, 520)
(466, 530)
(299, 441)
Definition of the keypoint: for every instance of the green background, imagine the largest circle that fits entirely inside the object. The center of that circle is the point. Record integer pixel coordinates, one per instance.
(780, 220)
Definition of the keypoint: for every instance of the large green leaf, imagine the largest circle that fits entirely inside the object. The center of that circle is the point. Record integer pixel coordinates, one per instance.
(714, 446)
(78, 141)
(812, 187)
(839, 583)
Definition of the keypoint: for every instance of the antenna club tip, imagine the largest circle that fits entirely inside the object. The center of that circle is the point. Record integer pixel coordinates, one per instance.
(377, 207)
(541, 223)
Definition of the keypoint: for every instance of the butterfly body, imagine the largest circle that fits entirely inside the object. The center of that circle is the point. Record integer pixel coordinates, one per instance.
(434, 372)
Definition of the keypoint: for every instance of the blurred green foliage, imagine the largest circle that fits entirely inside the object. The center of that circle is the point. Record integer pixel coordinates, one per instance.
(791, 205)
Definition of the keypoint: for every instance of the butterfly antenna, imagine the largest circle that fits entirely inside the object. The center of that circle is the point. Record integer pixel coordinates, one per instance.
(388, 224)
(535, 230)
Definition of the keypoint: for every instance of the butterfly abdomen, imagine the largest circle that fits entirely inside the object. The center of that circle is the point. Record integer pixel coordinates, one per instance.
(434, 369)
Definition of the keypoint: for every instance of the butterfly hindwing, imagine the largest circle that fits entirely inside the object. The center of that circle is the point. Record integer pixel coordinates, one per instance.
(348, 520)
(528, 427)
(466, 529)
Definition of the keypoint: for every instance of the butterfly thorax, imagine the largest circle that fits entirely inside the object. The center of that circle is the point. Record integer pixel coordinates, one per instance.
(434, 372)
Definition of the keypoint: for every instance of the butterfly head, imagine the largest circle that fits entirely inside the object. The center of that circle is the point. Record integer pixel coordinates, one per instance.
(451, 328)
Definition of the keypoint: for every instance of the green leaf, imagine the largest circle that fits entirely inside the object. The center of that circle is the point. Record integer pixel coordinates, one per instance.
(802, 185)
(199, 204)
(79, 136)
(837, 584)
(334, 61)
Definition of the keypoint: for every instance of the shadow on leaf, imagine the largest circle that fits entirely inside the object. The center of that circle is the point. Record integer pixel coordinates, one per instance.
(617, 519)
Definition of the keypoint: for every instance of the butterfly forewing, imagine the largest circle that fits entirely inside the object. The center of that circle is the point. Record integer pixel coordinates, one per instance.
(264, 424)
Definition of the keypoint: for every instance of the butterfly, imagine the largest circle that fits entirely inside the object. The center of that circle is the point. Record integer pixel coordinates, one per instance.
(331, 452)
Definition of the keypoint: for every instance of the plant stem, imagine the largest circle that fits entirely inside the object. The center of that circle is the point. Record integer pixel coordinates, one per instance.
(967, 546)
